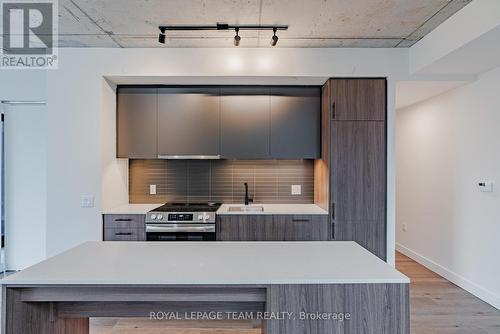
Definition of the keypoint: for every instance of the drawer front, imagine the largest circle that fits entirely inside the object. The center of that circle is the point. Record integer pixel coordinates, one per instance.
(124, 221)
(122, 234)
(300, 228)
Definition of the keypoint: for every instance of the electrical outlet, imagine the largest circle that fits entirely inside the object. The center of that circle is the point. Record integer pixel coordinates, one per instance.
(296, 189)
(405, 227)
(87, 201)
(152, 189)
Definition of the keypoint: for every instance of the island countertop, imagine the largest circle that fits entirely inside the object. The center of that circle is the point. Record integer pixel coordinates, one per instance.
(210, 263)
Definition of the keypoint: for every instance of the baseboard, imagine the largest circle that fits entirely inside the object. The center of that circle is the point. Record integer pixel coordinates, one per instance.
(478, 291)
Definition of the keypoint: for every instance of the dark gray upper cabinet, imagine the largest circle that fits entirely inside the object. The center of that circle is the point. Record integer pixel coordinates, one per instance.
(245, 121)
(295, 122)
(238, 122)
(136, 122)
(358, 99)
(188, 121)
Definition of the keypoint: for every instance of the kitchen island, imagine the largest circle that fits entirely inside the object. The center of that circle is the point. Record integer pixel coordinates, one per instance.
(295, 287)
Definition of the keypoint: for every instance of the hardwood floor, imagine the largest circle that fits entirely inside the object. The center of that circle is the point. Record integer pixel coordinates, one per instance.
(437, 307)
(146, 326)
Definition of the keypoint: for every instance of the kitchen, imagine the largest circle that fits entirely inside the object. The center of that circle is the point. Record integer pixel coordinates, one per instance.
(235, 172)
(207, 152)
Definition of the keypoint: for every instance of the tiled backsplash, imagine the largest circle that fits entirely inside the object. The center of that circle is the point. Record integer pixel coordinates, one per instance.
(269, 181)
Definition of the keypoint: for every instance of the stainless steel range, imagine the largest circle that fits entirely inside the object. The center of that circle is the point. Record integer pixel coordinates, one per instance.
(182, 222)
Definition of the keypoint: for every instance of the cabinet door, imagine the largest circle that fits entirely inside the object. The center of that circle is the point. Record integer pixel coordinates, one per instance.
(136, 123)
(188, 121)
(243, 227)
(245, 122)
(295, 122)
(124, 228)
(299, 228)
(358, 99)
(358, 171)
(371, 234)
(358, 183)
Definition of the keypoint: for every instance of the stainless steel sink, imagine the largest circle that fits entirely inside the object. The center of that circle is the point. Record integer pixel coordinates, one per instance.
(251, 208)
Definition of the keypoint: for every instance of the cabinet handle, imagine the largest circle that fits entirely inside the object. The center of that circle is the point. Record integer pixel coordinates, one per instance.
(123, 233)
(123, 219)
(300, 220)
(333, 110)
(333, 211)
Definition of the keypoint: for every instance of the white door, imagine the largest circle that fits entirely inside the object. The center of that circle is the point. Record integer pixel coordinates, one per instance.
(25, 142)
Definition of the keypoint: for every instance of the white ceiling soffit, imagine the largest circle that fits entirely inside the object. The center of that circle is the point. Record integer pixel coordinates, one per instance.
(466, 44)
(327, 23)
(411, 92)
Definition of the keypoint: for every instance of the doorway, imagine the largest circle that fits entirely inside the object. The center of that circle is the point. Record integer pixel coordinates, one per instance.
(24, 188)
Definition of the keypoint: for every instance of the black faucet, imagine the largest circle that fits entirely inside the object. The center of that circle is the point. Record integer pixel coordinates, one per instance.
(247, 199)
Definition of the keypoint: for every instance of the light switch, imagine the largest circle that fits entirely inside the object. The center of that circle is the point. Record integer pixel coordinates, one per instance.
(486, 186)
(87, 201)
(152, 189)
(296, 189)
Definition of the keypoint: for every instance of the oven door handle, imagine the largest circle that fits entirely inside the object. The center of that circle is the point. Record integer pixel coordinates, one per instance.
(158, 228)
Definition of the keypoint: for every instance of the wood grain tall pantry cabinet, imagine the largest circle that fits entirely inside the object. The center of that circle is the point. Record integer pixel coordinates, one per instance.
(354, 156)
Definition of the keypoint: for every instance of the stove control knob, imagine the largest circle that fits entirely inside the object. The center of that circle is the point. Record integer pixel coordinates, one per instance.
(206, 216)
(153, 216)
(160, 217)
(200, 217)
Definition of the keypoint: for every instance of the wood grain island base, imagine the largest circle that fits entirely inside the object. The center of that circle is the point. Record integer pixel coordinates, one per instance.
(52, 298)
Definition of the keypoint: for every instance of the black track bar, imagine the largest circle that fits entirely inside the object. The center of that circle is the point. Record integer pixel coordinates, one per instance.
(223, 26)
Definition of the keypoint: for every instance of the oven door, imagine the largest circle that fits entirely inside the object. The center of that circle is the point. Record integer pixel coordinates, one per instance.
(180, 232)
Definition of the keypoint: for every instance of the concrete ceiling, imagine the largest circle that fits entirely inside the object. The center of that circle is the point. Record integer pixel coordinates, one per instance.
(313, 23)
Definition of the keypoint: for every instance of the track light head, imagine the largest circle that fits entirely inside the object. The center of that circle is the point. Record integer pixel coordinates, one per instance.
(237, 38)
(274, 39)
(161, 37)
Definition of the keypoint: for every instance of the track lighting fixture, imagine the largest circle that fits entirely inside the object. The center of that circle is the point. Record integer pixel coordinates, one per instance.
(237, 38)
(274, 39)
(223, 26)
(161, 37)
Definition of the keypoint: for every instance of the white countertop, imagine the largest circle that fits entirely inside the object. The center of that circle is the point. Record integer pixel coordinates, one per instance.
(132, 209)
(275, 209)
(269, 209)
(155, 263)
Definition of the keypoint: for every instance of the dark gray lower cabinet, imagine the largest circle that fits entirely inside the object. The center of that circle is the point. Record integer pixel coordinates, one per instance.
(272, 228)
(358, 183)
(371, 234)
(372, 308)
(124, 228)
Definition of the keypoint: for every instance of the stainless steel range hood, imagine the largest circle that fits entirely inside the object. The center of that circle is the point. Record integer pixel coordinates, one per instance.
(188, 157)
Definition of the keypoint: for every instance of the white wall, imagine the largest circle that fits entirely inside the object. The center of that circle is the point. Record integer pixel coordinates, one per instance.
(114, 186)
(444, 147)
(28, 85)
(25, 188)
(81, 156)
(461, 45)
